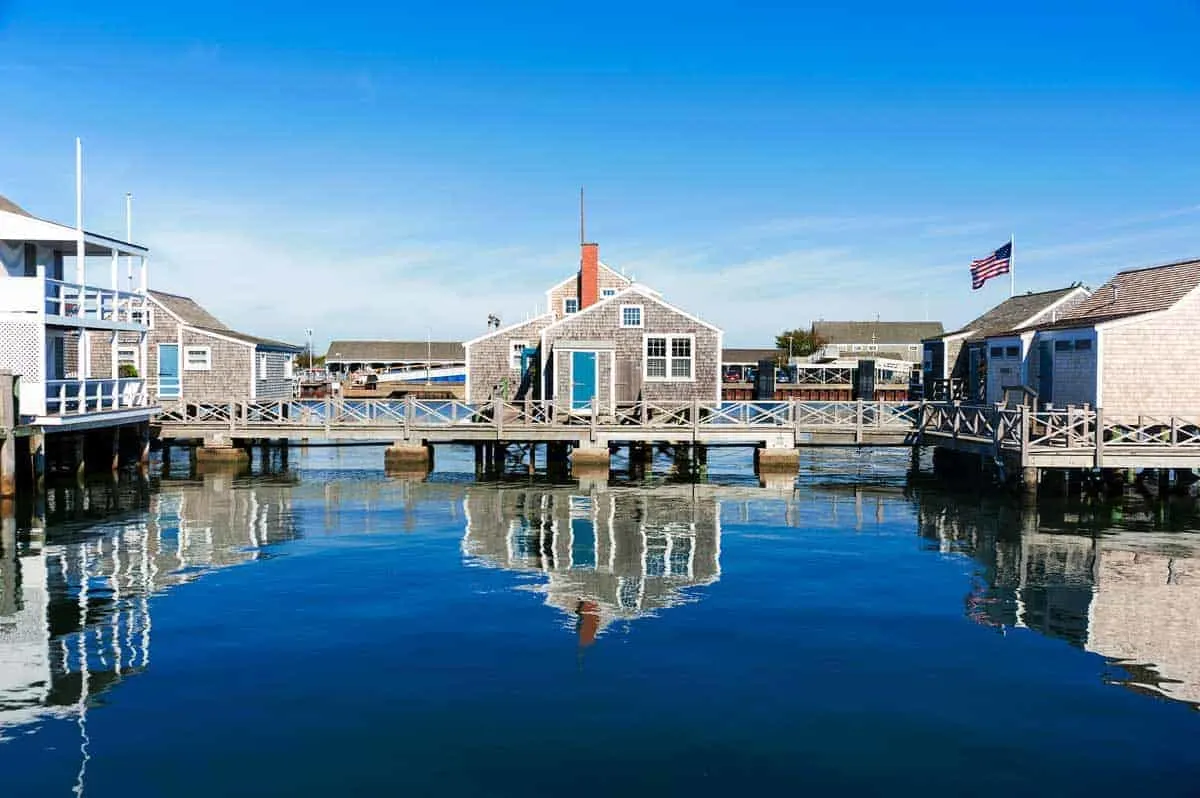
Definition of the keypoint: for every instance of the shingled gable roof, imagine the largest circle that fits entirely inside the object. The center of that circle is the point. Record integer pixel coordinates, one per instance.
(190, 313)
(394, 351)
(1133, 292)
(748, 355)
(11, 207)
(625, 294)
(1012, 313)
(884, 332)
(575, 276)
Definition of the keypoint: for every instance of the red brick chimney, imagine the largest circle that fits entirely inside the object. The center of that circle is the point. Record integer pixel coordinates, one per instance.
(589, 275)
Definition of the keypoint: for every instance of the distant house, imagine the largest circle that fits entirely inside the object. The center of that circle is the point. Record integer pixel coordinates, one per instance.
(613, 341)
(955, 364)
(741, 365)
(1127, 348)
(343, 357)
(193, 356)
(895, 340)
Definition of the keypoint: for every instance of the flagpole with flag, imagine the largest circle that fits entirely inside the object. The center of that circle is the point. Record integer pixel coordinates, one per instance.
(994, 265)
(1012, 265)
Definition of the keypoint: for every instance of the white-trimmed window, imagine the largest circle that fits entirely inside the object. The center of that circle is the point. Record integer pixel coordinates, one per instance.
(631, 315)
(571, 305)
(127, 356)
(197, 358)
(143, 316)
(670, 358)
(261, 371)
(605, 293)
(516, 349)
(857, 347)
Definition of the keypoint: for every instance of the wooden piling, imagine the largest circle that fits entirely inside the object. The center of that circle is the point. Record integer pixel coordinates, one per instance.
(8, 440)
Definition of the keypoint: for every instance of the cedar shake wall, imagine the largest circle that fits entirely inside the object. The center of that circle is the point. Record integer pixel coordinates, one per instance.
(1149, 366)
(562, 376)
(229, 378)
(274, 384)
(570, 288)
(602, 323)
(488, 360)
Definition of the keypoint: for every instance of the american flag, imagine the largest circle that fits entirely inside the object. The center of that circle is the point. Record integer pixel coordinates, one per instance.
(993, 265)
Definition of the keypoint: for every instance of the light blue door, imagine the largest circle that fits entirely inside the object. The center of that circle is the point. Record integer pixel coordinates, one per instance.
(583, 379)
(168, 371)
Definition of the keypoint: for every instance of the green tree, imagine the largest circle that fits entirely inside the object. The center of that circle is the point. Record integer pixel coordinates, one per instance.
(798, 342)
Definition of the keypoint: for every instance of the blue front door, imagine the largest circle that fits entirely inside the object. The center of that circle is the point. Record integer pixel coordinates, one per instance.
(168, 371)
(583, 379)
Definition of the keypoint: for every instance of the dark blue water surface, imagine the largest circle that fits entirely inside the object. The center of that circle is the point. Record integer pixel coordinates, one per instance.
(326, 630)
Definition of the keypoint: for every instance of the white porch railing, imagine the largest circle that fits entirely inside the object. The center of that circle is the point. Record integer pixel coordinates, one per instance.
(76, 397)
(92, 303)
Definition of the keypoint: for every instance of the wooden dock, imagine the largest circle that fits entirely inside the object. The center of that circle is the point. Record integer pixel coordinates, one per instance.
(1021, 438)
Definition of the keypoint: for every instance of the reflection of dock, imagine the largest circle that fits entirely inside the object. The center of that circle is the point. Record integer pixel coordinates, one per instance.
(1132, 597)
(75, 615)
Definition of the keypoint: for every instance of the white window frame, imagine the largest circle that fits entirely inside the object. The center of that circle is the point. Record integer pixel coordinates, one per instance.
(127, 355)
(607, 293)
(514, 355)
(188, 350)
(670, 338)
(567, 299)
(260, 366)
(641, 319)
(856, 347)
(146, 314)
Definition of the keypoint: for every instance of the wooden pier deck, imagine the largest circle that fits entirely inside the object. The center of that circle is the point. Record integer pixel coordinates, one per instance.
(1070, 438)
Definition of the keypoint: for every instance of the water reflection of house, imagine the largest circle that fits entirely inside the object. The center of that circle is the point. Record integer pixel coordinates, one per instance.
(75, 613)
(606, 556)
(1131, 596)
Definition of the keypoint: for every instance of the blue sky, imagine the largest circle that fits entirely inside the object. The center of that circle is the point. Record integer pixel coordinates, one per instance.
(402, 170)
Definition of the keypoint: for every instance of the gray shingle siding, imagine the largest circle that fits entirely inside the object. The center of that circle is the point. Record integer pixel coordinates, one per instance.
(488, 361)
(274, 383)
(602, 323)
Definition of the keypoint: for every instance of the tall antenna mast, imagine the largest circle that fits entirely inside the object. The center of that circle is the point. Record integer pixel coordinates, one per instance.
(582, 232)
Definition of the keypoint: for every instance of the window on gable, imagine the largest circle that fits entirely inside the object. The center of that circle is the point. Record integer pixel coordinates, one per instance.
(571, 305)
(143, 316)
(631, 315)
(607, 292)
(197, 358)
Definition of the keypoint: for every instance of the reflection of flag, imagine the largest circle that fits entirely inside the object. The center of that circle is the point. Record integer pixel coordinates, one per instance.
(993, 265)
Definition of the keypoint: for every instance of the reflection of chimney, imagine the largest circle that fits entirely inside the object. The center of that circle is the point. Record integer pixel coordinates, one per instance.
(588, 613)
(589, 275)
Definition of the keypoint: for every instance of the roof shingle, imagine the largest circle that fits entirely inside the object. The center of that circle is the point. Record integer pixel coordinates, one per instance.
(395, 351)
(193, 315)
(1137, 291)
(11, 207)
(883, 332)
(1011, 313)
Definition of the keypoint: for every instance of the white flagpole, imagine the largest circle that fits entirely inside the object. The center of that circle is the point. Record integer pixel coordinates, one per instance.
(1012, 266)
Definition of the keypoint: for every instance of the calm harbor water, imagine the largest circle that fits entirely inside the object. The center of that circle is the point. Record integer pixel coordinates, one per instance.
(325, 629)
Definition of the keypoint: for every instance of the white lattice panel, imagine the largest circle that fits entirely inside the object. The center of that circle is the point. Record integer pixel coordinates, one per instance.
(21, 349)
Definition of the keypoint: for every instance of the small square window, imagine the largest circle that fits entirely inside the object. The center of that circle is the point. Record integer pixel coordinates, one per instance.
(570, 305)
(631, 315)
(197, 358)
(1063, 346)
(996, 352)
(1012, 351)
(1083, 344)
(608, 292)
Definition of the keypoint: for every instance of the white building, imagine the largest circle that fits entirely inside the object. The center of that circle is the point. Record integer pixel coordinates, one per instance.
(50, 325)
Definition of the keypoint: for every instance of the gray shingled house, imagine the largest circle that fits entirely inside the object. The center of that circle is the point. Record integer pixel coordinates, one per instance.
(1126, 348)
(617, 342)
(897, 340)
(955, 365)
(193, 356)
(343, 357)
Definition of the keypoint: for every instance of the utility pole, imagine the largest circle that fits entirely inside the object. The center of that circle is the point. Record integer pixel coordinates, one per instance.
(308, 332)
